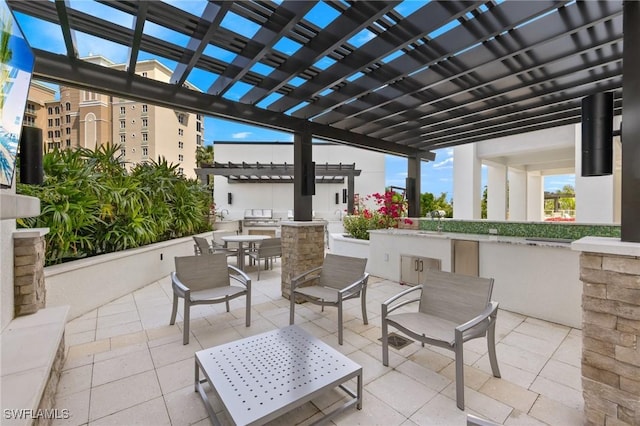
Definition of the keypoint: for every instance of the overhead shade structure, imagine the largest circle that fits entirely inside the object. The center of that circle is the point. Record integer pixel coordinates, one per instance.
(597, 134)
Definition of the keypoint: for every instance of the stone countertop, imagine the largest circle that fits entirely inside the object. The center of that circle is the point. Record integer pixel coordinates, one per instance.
(542, 242)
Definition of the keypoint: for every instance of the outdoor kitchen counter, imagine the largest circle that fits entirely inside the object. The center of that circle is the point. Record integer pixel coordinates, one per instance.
(529, 241)
(536, 278)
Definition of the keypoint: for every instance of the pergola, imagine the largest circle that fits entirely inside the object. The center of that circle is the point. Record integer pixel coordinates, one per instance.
(396, 77)
(281, 173)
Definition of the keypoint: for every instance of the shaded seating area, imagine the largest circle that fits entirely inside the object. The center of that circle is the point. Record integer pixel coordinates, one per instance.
(339, 278)
(452, 309)
(267, 250)
(206, 279)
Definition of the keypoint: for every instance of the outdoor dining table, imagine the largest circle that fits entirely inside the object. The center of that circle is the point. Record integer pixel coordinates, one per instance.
(241, 239)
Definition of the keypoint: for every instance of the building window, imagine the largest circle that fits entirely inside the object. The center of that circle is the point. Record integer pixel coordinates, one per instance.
(145, 137)
(31, 109)
(50, 134)
(144, 108)
(199, 117)
(57, 133)
(144, 74)
(123, 110)
(180, 170)
(180, 132)
(145, 122)
(198, 140)
(68, 130)
(123, 152)
(180, 157)
(57, 122)
(181, 118)
(29, 121)
(50, 111)
(145, 151)
(50, 122)
(122, 124)
(57, 110)
(181, 145)
(67, 119)
(68, 143)
(198, 127)
(68, 106)
(123, 138)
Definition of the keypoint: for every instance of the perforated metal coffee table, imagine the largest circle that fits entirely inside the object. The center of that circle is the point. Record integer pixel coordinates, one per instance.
(262, 377)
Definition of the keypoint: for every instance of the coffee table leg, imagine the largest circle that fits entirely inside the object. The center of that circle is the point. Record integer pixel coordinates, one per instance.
(205, 398)
(359, 397)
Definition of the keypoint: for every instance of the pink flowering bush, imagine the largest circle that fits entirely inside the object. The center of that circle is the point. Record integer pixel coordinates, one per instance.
(391, 207)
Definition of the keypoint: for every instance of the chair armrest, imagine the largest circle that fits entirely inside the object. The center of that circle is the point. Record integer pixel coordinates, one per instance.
(387, 303)
(356, 286)
(239, 276)
(304, 277)
(488, 311)
(179, 288)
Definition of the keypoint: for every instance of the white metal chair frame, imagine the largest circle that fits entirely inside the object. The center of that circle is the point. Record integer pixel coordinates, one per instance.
(206, 279)
(340, 278)
(453, 303)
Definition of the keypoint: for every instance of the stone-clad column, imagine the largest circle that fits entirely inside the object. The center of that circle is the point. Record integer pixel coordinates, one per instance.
(302, 249)
(28, 265)
(610, 272)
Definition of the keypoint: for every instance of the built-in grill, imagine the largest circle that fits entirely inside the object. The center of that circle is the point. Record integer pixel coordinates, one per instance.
(259, 218)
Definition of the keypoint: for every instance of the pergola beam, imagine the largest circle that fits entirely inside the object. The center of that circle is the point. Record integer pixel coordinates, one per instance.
(59, 69)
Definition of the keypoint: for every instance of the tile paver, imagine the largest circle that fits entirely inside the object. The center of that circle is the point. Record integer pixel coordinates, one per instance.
(126, 365)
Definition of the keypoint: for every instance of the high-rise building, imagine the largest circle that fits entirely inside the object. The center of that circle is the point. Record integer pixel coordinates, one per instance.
(144, 132)
(35, 114)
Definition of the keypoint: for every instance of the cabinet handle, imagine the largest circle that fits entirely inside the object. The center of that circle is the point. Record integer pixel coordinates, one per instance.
(421, 266)
(415, 265)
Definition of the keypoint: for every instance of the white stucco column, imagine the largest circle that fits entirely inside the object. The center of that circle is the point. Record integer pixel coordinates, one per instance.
(535, 197)
(466, 182)
(517, 194)
(496, 192)
(595, 195)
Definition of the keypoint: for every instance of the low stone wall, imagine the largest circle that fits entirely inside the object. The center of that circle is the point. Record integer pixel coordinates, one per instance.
(611, 335)
(29, 292)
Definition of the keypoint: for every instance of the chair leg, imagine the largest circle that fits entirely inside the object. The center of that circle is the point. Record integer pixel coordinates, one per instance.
(248, 314)
(491, 343)
(185, 325)
(174, 311)
(363, 302)
(340, 322)
(292, 306)
(385, 342)
(459, 376)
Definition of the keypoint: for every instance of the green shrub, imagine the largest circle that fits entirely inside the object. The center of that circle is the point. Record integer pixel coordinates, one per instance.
(92, 205)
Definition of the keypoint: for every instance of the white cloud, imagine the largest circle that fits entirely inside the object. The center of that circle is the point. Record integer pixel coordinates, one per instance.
(444, 164)
(241, 135)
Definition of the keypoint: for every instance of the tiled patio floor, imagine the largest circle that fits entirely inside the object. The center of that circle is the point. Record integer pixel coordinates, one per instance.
(126, 366)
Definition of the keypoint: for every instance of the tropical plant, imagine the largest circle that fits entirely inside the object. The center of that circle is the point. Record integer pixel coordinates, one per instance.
(391, 208)
(430, 203)
(92, 205)
(204, 155)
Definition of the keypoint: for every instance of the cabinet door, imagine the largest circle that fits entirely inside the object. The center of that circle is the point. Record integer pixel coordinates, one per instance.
(426, 263)
(465, 257)
(409, 270)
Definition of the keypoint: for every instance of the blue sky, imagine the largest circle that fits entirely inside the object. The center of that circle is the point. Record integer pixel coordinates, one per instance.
(437, 176)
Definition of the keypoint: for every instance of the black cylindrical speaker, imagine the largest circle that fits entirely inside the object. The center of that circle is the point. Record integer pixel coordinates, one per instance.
(337, 198)
(31, 156)
(229, 198)
(597, 134)
(344, 195)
